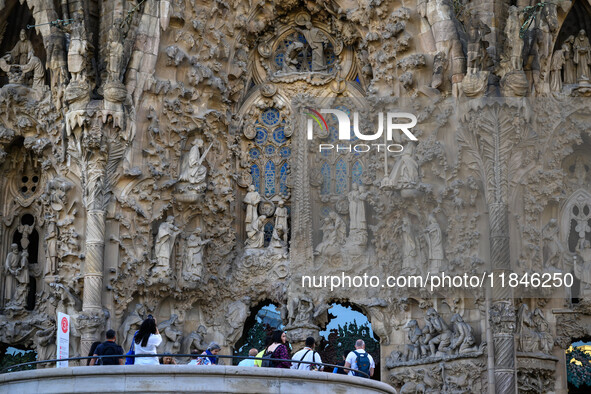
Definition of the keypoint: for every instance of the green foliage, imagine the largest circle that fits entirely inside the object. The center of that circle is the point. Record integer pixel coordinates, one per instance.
(255, 338)
(13, 359)
(342, 340)
(578, 375)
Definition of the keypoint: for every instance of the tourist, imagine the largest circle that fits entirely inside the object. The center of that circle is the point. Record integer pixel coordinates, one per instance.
(194, 358)
(91, 352)
(249, 362)
(259, 356)
(212, 351)
(108, 348)
(361, 360)
(307, 354)
(278, 349)
(341, 363)
(146, 341)
(167, 360)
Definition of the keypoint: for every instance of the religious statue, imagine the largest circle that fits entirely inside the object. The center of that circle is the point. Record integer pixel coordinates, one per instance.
(556, 67)
(13, 71)
(194, 263)
(115, 51)
(569, 70)
(236, 315)
(438, 335)
(583, 268)
(316, 39)
(20, 52)
(582, 56)
(463, 339)
(252, 200)
(192, 169)
(195, 340)
(281, 218)
(552, 249)
(417, 348)
(129, 326)
(25, 231)
(290, 58)
(410, 248)
(277, 243)
(34, 64)
(358, 221)
(405, 173)
(22, 280)
(334, 234)
(12, 269)
(51, 246)
(167, 233)
(45, 345)
(529, 338)
(477, 54)
(512, 29)
(434, 243)
(541, 325)
(255, 233)
(78, 50)
(172, 334)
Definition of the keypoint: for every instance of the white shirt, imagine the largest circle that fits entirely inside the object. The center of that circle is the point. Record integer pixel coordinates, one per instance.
(246, 363)
(310, 355)
(150, 348)
(352, 359)
(192, 362)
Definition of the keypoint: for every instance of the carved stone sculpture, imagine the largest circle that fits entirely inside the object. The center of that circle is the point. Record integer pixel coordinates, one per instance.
(463, 339)
(193, 267)
(316, 39)
(22, 280)
(514, 23)
(14, 72)
(192, 169)
(34, 64)
(167, 233)
(11, 269)
(583, 268)
(290, 59)
(25, 231)
(129, 326)
(582, 56)
(20, 51)
(437, 334)
(357, 217)
(256, 233)
(281, 219)
(410, 247)
(434, 240)
(195, 340)
(237, 312)
(78, 50)
(334, 234)
(527, 336)
(569, 71)
(172, 334)
(552, 249)
(252, 200)
(556, 67)
(405, 173)
(51, 235)
(417, 348)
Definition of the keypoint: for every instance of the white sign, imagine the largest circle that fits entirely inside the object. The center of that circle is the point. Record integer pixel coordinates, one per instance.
(63, 339)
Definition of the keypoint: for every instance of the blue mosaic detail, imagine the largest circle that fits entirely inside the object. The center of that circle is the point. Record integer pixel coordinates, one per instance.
(256, 176)
(270, 117)
(356, 173)
(254, 153)
(279, 135)
(261, 136)
(325, 211)
(284, 152)
(325, 172)
(268, 229)
(283, 179)
(269, 150)
(341, 177)
(269, 178)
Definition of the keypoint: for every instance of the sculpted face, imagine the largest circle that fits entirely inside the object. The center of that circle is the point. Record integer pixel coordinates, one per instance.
(23, 35)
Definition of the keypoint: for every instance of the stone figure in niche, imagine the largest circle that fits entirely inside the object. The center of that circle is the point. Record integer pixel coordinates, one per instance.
(334, 235)
(14, 72)
(583, 268)
(277, 241)
(34, 64)
(195, 340)
(78, 50)
(527, 338)
(410, 248)
(512, 28)
(11, 267)
(552, 249)
(25, 230)
(45, 345)
(405, 173)
(463, 339)
(435, 244)
(569, 71)
(437, 334)
(556, 67)
(477, 55)
(194, 264)
(541, 324)
(417, 348)
(582, 56)
(290, 58)
(20, 52)
(281, 218)
(22, 280)
(316, 39)
(358, 223)
(236, 315)
(193, 170)
(167, 233)
(129, 326)
(115, 51)
(252, 200)
(51, 246)
(172, 334)
(256, 233)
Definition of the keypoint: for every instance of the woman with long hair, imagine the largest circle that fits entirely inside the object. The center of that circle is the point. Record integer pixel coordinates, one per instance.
(146, 341)
(279, 349)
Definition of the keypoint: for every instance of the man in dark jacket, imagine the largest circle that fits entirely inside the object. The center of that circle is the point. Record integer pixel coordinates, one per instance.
(108, 348)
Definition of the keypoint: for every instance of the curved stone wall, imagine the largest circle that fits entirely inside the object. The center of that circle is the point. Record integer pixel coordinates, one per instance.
(184, 378)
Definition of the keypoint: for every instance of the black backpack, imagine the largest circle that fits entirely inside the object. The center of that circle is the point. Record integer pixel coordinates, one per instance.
(109, 349)
(266, 363)
(363, 363)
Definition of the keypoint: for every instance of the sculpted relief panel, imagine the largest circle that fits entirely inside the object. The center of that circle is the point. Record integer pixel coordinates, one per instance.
(163, 167)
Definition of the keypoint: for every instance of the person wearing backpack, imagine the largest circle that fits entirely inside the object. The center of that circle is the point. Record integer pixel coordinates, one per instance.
(108, 348)
(307, 354)
(278, 349)
(361, 360)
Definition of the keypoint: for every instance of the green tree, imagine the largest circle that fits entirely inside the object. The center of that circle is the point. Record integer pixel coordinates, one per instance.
(578, 375)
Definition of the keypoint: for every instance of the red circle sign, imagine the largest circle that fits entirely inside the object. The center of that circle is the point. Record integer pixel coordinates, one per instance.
(64, 325)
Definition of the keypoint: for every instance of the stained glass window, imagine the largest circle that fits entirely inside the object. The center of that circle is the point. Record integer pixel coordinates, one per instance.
(356, 172)
(283, 179)
(261, 136)
(325, 171)
(268, 232)
(254, 153)
(279, 135)
(269, 150)
(284, 152)
(341, 177)
(270, 117)
(256, 176)
(269, 178)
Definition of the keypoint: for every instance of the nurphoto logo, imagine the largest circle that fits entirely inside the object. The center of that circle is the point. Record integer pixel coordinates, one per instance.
(394, 122)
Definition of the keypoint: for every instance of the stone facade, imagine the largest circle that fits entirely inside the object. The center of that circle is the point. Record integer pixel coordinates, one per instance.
(154, 160)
